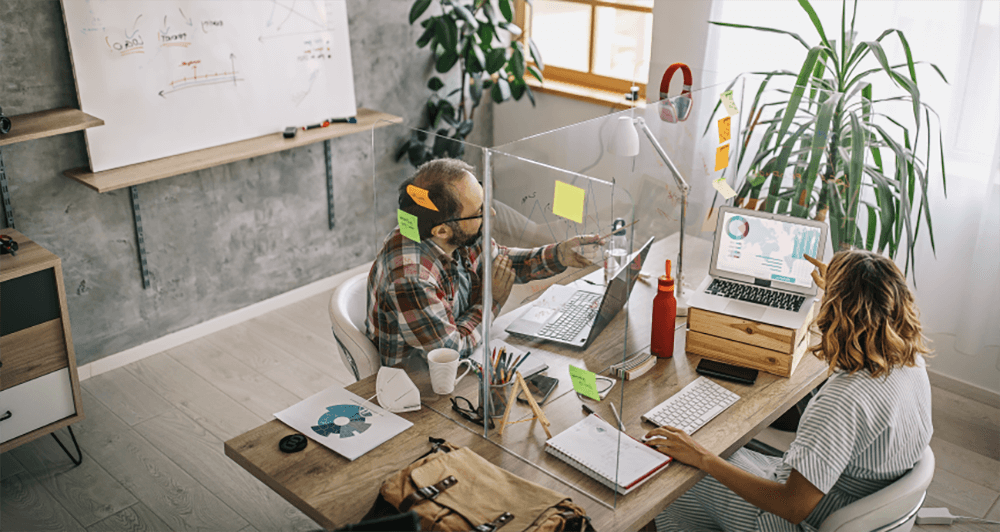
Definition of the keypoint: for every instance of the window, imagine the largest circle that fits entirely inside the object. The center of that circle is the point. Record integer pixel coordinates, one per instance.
(596, 44)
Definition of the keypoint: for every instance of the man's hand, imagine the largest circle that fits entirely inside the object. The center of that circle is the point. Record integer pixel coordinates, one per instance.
(503, 279)
(566, 251)
(819, 274)
(678, 444)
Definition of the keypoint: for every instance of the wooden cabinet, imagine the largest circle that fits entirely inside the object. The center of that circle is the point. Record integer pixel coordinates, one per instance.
(39, 386)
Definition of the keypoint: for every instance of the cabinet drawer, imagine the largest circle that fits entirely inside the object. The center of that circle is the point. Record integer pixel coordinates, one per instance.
(35, 404)
(32, 352)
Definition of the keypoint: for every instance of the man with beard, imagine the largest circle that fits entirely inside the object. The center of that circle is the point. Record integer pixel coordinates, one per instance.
(428, 294)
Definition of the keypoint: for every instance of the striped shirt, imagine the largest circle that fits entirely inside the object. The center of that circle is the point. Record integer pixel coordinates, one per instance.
(420, 298)
(856, 436)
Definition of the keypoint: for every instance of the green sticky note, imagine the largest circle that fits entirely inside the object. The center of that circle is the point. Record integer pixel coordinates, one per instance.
(408, 225)
(584, 382)
(568, 202)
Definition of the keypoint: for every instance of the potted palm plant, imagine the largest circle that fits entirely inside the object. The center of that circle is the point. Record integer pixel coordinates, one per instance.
(483, 45)
(812, 141)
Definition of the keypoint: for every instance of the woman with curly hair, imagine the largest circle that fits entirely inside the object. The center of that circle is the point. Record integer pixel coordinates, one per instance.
(867, 426)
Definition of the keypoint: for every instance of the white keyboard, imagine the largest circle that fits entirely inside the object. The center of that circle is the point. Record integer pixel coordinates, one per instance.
(693, 406)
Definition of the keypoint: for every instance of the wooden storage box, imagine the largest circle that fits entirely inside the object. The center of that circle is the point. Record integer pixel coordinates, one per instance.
(747, 343)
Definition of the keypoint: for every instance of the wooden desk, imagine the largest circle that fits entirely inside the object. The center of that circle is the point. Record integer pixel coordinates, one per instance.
(334, 491)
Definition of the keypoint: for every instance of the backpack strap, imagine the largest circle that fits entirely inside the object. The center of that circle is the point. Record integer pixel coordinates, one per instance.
(428, 493)
(496, 524)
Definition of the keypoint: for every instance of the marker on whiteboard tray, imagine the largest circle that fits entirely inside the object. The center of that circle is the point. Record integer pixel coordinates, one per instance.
(348, 120)
(324, 123)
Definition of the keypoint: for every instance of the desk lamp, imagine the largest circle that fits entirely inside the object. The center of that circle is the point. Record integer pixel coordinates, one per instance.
(627, 144)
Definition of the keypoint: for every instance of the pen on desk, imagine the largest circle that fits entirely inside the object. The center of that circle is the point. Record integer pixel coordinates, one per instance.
(615, 412)
(520, 361)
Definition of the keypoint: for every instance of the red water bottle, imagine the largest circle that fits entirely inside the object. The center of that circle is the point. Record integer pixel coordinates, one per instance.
(664, 316)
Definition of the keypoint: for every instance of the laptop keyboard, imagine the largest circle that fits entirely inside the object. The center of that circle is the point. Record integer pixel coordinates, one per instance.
(756, 294)
(577, 313)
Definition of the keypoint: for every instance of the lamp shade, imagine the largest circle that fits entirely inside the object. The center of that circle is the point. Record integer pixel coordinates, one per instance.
(626, 142)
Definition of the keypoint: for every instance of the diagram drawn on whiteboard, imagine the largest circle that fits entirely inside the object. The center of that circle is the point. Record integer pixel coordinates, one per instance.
(287, 20)
(190, 78)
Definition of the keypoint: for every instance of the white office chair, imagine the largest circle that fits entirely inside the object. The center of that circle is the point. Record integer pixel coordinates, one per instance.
(894, 507)
(348, 307)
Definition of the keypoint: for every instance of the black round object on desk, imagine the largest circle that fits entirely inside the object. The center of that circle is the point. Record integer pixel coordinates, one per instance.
(292, 443)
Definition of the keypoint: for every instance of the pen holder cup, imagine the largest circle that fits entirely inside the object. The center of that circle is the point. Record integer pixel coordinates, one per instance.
(499, 396)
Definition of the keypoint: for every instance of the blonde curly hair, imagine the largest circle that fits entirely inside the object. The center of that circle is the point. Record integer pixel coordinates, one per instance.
(868, 318)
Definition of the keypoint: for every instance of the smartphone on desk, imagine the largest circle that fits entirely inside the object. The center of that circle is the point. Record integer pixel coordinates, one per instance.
(729, 372)
(540, 386)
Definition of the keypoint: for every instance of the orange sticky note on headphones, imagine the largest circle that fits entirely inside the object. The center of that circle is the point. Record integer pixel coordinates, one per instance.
(420, 196)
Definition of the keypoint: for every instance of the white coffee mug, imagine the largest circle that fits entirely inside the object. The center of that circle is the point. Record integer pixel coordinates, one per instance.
(443, 363)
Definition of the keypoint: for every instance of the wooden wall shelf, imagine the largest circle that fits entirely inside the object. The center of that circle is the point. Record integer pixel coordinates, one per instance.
(48, 123)
(136, 174)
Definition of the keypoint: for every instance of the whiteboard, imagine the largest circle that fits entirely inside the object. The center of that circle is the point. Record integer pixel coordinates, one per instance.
(174, 76)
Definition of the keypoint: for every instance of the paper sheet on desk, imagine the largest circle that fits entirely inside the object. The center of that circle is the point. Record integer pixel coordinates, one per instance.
(343, 422)
(529, 367)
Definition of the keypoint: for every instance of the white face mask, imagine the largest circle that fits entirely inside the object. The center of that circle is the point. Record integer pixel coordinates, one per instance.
(396, 392)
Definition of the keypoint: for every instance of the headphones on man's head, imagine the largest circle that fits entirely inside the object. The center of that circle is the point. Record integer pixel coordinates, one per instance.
(676, 109)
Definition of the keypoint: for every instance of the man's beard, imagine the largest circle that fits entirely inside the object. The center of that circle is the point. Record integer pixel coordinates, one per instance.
(460, 238)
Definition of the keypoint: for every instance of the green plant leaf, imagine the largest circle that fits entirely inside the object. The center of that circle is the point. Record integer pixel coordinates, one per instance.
(500, 91)
(466, 16)
(516, 65)
(446, 61)
(427, 36)
(536, 56)
(760, 28)
(531, 95)
(796, 97)
(815, 20)
(435, 83)
(534, 72)
(506, 10)
(475, 59)
(872, 228)
(486, 34)
(475, 91)
(403, 148)
(514, 30)
(517, 87)
(418, 8)
(464, 128)
(905, 83)
(495, 60)
(819, 141)
(856, 168)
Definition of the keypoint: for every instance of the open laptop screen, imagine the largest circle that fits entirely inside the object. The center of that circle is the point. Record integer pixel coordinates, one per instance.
(767, 249)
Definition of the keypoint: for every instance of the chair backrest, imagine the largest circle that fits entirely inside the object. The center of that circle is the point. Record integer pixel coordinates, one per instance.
(348, 307)
(894, 507)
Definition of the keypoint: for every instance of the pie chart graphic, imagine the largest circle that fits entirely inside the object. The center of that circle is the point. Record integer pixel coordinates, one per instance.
(343, 420)
(738, 228)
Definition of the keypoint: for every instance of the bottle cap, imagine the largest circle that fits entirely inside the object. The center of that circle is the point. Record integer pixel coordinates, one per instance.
(666, 281)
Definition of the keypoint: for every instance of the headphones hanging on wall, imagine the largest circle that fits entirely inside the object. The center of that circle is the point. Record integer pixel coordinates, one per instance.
(675, 109)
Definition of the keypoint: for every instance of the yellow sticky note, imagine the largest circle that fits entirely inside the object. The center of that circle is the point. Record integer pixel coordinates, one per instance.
(419, 195)
(721, 157)
(568, 202)
(723, 188)
(729, 103)
(408, 225)
(584, 382)
(724, 129)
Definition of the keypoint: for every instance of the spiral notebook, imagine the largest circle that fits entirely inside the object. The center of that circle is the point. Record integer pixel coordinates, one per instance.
(592, 446)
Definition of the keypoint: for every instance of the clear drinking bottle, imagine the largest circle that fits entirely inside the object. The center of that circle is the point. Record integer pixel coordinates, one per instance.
(615, 252)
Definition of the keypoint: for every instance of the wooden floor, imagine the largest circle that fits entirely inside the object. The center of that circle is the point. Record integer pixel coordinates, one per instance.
(153, 433)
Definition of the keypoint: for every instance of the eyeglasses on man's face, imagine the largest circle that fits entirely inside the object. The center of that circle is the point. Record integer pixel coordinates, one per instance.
(475, 217)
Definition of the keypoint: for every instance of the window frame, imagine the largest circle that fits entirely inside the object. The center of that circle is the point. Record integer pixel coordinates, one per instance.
(585, 86)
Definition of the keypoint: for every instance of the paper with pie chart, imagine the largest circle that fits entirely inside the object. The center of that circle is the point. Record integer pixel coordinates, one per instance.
(343, 422)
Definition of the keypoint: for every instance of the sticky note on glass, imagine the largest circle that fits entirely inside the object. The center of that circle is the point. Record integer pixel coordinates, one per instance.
(584, 382)
(724, 129)
(408, 225)
(729, 103)
(723, 188)
(568, 202)
(419, 195)
(721, 157)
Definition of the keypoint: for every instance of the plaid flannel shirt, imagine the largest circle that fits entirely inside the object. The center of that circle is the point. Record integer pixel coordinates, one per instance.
(420, 298)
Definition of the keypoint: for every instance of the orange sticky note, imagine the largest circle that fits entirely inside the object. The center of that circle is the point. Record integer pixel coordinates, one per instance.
(568, 202)
(419, 195)
(721, 157)
(724, 129)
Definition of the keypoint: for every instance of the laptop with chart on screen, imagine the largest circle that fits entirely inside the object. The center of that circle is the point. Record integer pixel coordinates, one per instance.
(758, 270)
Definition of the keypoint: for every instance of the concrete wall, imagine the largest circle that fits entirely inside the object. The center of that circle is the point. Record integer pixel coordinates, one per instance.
(219, 239)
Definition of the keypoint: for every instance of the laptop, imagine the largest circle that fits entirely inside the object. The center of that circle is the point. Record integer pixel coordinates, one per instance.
(575, 316)
(758, 271)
